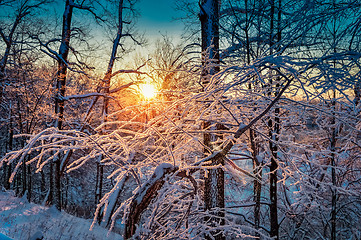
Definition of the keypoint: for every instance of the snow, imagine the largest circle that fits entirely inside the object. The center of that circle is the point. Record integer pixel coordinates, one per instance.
(37, 235)
(3, 237)
(161, 169)
(159, 172)
(22, 220)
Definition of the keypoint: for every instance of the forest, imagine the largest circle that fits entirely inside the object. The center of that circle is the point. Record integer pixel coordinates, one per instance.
(246, 127)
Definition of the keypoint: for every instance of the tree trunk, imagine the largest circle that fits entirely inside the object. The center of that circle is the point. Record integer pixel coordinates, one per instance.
(273, 186)
(24, 177)
(274, 126)
(333, 201)
(214, 181)
(109, 72)
(60, 94)
(29, 181)
(333, 170)
(144, 196)
(99, 188)
(357, 92)
(57, 185)
(106, 89)
(257, 170)
(66, 190)
(7, 174)
(49, 195)
(99, 183)
(209, 17)
(42, 185)
(334, 138)
(274, 131)
(8, 170)
(17, 184)
(214, 190)
(257, 186)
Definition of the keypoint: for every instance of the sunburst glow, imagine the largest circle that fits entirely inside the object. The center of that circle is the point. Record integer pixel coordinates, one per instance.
(148, 90)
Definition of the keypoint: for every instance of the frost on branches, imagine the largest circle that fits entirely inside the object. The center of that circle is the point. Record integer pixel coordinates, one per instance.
(160, 164)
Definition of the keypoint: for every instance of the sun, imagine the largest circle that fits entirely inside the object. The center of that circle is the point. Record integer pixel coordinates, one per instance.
(148, 90)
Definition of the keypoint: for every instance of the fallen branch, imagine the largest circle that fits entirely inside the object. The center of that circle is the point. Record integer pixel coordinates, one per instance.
(144, 195)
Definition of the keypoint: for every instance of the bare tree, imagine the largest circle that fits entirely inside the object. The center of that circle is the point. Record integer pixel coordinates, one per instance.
(214, 180)
(105, 88)
(7, 35)
(63, 64)
(14, 39)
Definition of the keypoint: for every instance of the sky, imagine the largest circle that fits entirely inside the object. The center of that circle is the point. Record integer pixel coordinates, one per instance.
(157, 17)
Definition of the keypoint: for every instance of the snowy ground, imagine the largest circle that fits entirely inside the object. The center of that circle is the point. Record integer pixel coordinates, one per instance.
(21, 220)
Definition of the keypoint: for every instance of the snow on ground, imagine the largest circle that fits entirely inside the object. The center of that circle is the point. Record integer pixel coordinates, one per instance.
(21, 220)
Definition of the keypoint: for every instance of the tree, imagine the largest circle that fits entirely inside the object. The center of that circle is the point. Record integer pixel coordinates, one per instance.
(14, 65)
(214, 180)
(24, 9)
(276, 105)
(105, 88)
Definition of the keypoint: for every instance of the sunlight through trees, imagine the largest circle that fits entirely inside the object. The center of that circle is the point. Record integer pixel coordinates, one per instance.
(245, 127)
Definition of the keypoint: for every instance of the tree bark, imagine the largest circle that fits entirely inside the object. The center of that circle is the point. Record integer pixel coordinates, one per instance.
(145, 194)
(60, 92)
(42, 185)
(257, 170)
(274, 131)
(333, 170)
(24, 177)
(29, 181)
(273, 183)
(106, 89)
(257, 186)
(209, 17)
(49, 196)
(109, 72)
(357, 92)
(8, 169)
(214, 180)
(99, 183)
(333, 139)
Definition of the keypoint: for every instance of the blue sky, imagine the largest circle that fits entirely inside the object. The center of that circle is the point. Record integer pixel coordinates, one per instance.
(158, 17)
